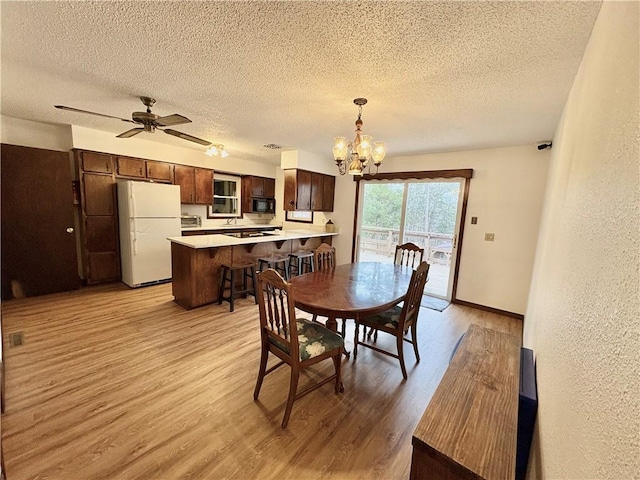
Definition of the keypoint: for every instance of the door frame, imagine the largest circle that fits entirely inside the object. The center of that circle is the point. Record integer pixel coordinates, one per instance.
(466, 174)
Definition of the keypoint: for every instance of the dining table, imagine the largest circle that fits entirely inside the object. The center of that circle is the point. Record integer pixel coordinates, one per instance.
(351, 291)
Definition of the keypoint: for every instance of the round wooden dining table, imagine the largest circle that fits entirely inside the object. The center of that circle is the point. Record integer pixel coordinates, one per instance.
(354, 290)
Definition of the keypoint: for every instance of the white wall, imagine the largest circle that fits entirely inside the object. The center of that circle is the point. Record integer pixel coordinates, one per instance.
(15, 131)
(583, 318)
(505, 193)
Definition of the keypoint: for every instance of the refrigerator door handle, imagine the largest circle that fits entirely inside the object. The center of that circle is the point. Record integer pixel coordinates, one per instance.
(133, 204)
(135, 236)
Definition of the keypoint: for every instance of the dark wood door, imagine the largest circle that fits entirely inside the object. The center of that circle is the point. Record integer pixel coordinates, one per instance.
(99, 194)
(270, 187)
(159, 171)
(184, 176)
(316, 191)
(132, 167)
(257, 187)
(38, 238)
(328, 192)
(96, 162)
(204, 186)
(304, 190)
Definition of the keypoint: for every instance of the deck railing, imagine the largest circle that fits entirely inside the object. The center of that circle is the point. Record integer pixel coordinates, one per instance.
(383, 241)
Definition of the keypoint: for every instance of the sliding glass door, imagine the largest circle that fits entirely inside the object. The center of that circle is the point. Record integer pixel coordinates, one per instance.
(425, 212)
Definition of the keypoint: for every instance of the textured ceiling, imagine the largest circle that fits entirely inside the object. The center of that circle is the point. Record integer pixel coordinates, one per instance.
(438, 76)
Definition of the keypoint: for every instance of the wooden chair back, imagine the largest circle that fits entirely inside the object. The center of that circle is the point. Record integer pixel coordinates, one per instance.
(412, 300)
(277, 314)
(324, 257)
(409, 254)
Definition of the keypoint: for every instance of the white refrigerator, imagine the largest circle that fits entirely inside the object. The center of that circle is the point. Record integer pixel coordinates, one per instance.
(148, 213)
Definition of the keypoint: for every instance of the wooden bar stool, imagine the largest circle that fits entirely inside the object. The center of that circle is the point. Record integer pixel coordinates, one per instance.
(280, 263)
(248, 271)
(301, 262)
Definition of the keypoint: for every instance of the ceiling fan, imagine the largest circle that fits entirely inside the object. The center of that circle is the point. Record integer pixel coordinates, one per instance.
(149, 121)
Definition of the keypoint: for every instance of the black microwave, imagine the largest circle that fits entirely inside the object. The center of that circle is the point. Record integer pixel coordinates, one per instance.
(263, 205)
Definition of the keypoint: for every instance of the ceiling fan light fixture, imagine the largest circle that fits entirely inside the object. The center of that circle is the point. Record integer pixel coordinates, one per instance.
(217, 149)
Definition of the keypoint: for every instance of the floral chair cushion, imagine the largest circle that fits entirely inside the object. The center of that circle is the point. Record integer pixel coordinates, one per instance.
(313, 339)
(388, 318)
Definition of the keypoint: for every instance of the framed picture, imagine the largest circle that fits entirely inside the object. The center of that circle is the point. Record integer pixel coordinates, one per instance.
(299, 216)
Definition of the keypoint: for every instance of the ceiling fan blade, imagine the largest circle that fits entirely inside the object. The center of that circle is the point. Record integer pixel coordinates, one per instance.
(174, 119)
(131, 133)
(71, 109)
(185, 136)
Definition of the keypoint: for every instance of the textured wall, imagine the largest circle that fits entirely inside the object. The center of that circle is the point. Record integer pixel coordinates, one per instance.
(505, 193)
(583, 317)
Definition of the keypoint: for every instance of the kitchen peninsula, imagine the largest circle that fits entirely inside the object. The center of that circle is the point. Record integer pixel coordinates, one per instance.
(196, 260)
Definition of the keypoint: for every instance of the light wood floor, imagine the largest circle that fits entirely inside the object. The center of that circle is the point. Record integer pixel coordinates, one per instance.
(114, 383)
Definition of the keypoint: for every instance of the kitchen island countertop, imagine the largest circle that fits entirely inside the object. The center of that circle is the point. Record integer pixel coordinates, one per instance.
(221, 240)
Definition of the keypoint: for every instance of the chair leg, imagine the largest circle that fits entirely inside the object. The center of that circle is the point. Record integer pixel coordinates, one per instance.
(356, 340)
(344, 327)
(400, 343)
(264, 356)
(232, 289)
(254, 280)
(293, 387)
(222, 285)
(337, 363)
(414, 339)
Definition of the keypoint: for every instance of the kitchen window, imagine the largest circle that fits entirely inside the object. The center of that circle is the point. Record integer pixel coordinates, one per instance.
(227, 193)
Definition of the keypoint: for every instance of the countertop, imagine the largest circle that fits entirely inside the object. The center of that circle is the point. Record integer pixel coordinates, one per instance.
(220, 240)
(230, 227)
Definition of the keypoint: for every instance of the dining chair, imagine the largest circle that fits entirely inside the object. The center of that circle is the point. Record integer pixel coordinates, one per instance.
(299, 343)
(398, 319)
(324, 257)
(408, 254)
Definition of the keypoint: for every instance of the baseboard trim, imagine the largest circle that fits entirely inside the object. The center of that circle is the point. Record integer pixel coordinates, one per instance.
(517, 316)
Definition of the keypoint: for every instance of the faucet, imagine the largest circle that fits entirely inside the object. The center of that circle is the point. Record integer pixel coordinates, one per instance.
(234, 220)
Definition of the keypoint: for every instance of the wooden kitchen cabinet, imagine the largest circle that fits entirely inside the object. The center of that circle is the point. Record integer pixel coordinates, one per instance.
(203, 186)
(185, 177)
(101, 233)
(99, 194)
(305, 190)
(96, 162)
(196, 184)
(259, 187)
(328, 192)
(160, 171)
(132, 167)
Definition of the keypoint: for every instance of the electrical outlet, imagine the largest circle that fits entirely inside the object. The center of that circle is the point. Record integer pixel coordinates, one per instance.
(474, 220)
(489, 237)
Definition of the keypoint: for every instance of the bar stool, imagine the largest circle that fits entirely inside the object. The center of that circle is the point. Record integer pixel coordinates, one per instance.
(248, 271)
(280, 263)
(301, 262)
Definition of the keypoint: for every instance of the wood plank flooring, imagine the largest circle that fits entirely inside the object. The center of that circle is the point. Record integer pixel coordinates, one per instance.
(115, 383)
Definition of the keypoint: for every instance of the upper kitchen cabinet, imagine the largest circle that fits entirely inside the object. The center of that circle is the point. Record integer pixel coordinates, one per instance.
(204, 186)
(185, 177)
(160, 171)
(95, 162)
(305, 190)
(259, 186)
(196, 184)
(256, 187)
(132, 167)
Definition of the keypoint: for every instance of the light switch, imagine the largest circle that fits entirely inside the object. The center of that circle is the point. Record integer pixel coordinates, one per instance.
(489, 237)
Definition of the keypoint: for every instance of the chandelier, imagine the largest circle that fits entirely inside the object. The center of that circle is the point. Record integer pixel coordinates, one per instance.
(215, 150)
(361, 152)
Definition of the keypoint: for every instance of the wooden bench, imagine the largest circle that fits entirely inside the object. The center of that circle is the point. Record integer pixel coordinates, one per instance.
(469, 428)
